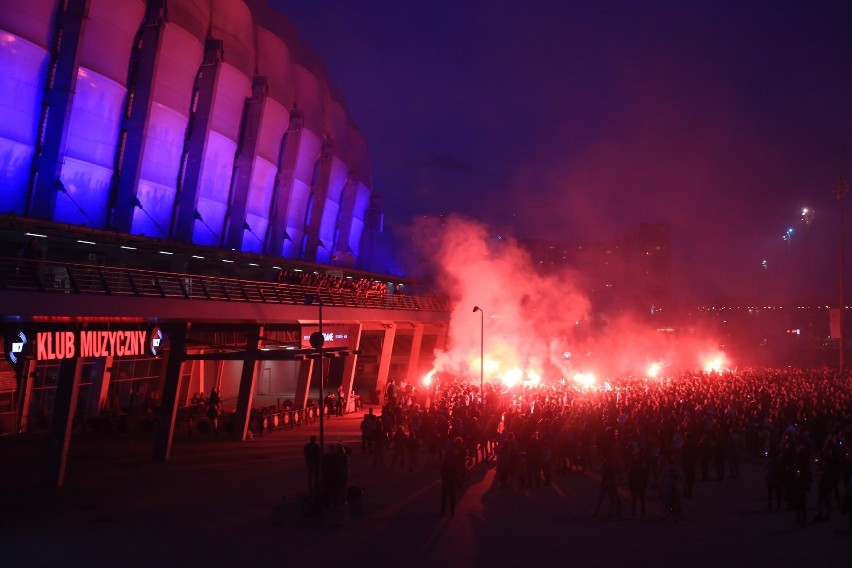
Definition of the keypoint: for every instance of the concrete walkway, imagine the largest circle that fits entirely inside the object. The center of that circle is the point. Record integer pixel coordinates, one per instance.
(213, 503)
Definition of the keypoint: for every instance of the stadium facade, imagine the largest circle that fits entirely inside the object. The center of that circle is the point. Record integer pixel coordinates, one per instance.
(195, 129)
(199, 121)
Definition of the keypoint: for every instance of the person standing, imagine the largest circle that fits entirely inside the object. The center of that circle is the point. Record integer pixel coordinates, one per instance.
(214, 409)
(689, 462)
(339, 402)
(367, 425)
(637, 482)
(609, 489)
(312, 462)
(450, 476)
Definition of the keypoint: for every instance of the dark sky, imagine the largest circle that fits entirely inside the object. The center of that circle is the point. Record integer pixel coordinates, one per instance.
(572, 121)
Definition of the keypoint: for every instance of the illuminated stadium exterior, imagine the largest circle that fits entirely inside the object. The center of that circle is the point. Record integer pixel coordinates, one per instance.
(204, 122)
(144, 144)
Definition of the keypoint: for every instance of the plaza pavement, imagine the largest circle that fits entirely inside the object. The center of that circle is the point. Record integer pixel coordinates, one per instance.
(214, 504)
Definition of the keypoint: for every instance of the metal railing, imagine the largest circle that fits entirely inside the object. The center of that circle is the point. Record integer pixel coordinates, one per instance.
(68, 278)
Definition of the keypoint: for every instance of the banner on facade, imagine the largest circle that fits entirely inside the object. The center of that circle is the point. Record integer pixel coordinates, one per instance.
(334, 335)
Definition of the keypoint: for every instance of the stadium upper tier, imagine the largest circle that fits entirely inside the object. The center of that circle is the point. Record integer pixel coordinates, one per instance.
(199, 122)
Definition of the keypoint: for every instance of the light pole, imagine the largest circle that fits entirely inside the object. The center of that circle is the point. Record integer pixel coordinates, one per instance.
(841, 188)
(481, 355)
(317, 342)
(808, 218)
(787, 295)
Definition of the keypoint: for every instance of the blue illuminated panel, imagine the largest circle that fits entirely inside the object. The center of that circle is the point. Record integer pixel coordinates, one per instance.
(21, 83)
(362, 202)
(257, 206)
(90, 149)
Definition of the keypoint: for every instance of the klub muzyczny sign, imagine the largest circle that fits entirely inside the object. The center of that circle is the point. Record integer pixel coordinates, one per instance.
(53, 345)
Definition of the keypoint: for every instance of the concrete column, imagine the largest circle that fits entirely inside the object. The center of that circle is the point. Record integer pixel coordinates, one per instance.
(103, 387)
(244, 165)
(349, 363)
(56, 111)
(247, 381)
(384, 362)
(135, 125)
(320, 193)
(64, 408)
(183, 218)
(277, 229)
(413, 375)
(303, 386)
(171, 390)
(27, 395)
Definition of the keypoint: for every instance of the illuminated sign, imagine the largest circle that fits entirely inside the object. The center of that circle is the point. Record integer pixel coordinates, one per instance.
(156, 342)
(16, 348)
(57, 345)
(334, 336)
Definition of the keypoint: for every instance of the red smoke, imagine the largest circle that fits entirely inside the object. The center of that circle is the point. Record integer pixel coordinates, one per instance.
(536, 326)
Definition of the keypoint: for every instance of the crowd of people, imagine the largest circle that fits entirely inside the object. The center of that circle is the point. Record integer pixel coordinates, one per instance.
(362, 287)
(656, 436)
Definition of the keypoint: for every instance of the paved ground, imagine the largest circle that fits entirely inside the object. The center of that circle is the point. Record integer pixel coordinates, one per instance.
(213, 503)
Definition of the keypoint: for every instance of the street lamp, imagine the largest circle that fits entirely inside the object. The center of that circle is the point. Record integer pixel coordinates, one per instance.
(841, 188)
(808, 218)
(317, 341)
(481, 355)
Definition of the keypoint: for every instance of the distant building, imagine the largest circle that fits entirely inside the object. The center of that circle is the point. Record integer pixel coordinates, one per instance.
(632, 272)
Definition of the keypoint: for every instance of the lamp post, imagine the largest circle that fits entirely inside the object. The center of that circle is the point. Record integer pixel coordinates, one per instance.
(481, 355)
(841, 188)
(317, 342)
(808, 218)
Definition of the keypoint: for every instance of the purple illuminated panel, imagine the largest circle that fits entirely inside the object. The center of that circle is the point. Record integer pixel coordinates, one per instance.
(214, 185)
(86, 190)
(299, 195)
(328, 223)
(24, 66)
(164, 141)
(90, 150)
(159, 171)
(257, 206)
(362, 202)
(213, 190)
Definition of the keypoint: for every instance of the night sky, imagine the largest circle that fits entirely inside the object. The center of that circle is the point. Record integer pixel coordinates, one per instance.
(572, 121)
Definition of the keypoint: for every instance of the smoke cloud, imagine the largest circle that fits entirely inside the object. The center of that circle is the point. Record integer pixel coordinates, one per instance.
(535, 326)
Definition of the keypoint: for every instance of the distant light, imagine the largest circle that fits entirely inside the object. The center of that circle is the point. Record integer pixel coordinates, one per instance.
(198, 257)
(125, 247)
(276, 267)
(226, 260)
(82, 242)
(253, 264)
(165, 252)
(39, 235)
